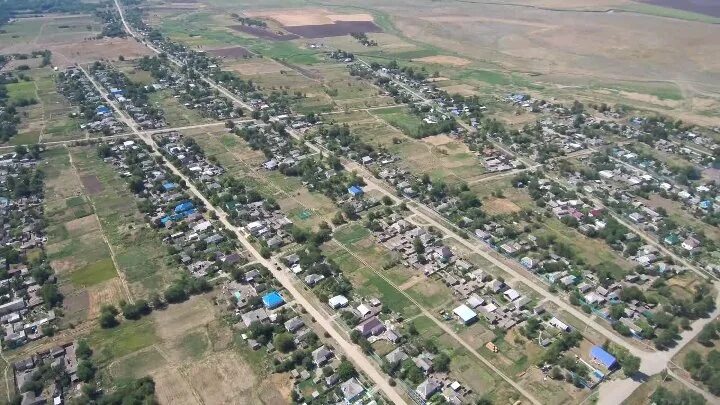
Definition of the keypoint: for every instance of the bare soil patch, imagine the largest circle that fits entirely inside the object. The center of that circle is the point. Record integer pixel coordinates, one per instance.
(96, 49)
(438, 140)
(499, 206)
(462, 89)
(236, 52)
(63, 265)
(222, 378)
(172, 388)
(295, 17)
(445, 60)
(74, 303)
(109, 292)
(264, 33)
(91, 184)
(82, 225)
(179, 318)
(256, 67)
(339, 28)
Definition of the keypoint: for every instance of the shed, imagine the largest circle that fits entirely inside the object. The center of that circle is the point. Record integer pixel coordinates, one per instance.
(355, 191)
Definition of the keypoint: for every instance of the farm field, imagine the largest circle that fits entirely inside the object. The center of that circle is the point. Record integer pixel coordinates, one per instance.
(76, 250)
(47, 120)
(138, 251)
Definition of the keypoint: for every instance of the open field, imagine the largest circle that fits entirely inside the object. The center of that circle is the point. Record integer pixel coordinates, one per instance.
(192, 358)
(139, 252)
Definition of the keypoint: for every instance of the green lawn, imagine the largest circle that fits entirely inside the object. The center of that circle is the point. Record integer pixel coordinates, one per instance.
(94, 273)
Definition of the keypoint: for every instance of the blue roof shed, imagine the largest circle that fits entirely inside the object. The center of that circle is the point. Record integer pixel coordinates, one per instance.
(600, 355)
(273, 300)
(355, 191)
(169, 185)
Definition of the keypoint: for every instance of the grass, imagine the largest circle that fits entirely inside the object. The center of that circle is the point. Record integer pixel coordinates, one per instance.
(194, 344)
(21, 91)
(124, 339)
(94, 273)
(400, 118)
(351, 233)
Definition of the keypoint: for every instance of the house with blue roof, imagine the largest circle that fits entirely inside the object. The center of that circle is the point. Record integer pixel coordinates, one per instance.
(599, 355)
(169, 186)
(273, 300)
(355, 191)
(184, 206)
(706, 204)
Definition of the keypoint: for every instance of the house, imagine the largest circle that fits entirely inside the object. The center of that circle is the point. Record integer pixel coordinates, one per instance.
(511, 295)
(528, 262)
(690, 244)
(363, 310)
(396, 356)
(338, 301)
(321, 355)
(272, 300)
(672, 239)
(355, 191)
(294, 324)
(465, 314)
(599, 355)
(371, 327)
(351, 390)
(427, 389)
(559, 324)
(258, 315)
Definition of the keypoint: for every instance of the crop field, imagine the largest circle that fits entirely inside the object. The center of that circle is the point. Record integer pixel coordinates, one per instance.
(47, 120)
(140, 254)
(76, 249)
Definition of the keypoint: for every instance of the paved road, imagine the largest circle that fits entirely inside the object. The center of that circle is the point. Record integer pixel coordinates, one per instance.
(352, 351)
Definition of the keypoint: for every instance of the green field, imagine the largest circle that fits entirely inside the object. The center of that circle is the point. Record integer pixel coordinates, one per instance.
(94, 273)
(400, 118)
(128, 337)
(21, 90)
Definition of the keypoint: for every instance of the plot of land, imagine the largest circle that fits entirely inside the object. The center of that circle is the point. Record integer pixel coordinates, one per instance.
(264, 33)
(336, 29)
(445, 60)
(236, 52)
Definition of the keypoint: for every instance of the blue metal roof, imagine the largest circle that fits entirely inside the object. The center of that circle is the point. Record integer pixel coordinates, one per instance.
(355, 190)
(272, 300)
(605, 358)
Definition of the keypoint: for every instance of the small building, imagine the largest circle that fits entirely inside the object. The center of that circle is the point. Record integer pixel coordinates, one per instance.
(338, 301)
(427, 389)
(465, 314)
(351, 390)
(599, 355)
(355, 191)
(273, 300)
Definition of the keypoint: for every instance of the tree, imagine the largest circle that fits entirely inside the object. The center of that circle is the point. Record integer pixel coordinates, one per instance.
(83, 350)
(346, 370)
(693, 361)
(283, 342)
(441, 362)
(107, 317)
(707, 334)
(85, 371)
(630, 365)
